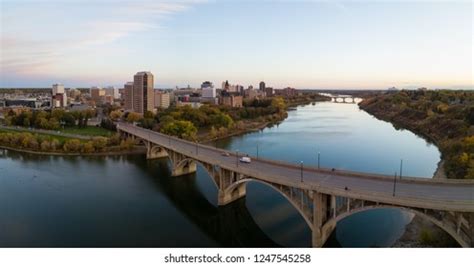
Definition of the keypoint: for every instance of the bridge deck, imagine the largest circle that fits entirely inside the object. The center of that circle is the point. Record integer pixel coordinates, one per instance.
(451, 195)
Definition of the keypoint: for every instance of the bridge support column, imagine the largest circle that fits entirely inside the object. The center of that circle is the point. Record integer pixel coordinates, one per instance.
(225, 198)
(228, 194)
(183, 169)
(321, 208)
(155, 152)
(471, 228)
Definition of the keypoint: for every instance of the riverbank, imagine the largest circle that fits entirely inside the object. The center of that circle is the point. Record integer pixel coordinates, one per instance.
(248, 126)
(420, 233)
(136, 150)
(442, 118)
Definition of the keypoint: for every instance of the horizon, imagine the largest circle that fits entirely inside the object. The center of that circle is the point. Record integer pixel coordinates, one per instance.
(305, 45)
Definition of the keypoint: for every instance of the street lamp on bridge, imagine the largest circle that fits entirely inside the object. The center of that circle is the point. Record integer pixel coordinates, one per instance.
(319, 154)
(237, 157)
(257, 150)
(394, 183)
(301, 164)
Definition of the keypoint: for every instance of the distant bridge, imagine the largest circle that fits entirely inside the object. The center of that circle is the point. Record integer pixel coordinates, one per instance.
(344, 99)
(319, 194)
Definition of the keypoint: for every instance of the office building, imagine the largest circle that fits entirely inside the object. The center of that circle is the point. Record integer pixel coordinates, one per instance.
(162, 99)
(58, 96)
(208, 90)
(97, 95)
(262, 86)
(143, 92)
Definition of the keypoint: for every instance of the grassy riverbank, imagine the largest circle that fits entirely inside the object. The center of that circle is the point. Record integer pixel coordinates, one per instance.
(40, 143)
(443, 117)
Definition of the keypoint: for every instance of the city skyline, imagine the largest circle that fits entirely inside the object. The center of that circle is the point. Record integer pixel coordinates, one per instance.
(315, 44)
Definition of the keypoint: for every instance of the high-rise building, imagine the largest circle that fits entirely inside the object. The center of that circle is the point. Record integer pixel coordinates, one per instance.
(128, 96)
(58, 96)
(143, 92)
(208, 90)
(58, 89)
(262, 86)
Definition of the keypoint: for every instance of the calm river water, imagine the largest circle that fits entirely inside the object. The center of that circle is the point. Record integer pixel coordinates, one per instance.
(127, 201)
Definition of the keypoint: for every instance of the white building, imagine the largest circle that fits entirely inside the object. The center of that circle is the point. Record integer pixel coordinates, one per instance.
(208, 90)
(58, 96)
(58, 89)
(162, 99)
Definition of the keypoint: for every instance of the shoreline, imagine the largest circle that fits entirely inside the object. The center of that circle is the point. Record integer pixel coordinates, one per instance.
(439, 172)
(135, 151)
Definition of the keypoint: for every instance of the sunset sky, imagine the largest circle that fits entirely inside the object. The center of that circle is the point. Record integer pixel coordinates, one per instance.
(303, 44)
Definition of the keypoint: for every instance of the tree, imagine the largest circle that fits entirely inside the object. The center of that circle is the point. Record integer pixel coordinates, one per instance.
(45, 145)
(127, 144)
(72, 145)
(148, 115)
(182, 129)
(221, 120)
(133, 117)
(88, 147)
(53, 124)
(115, 115)
(278, 103)
(69, 120)
(99, 143)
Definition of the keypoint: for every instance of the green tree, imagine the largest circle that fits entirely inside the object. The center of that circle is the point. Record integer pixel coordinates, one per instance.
(88, 147)
(182, 129)
(278, 103)
(115, 115)
(133, 117)
(72, 145)
(99, 143)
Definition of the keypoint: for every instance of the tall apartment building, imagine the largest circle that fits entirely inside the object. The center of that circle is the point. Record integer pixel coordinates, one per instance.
(139, 95)
(143, 92)
(128, 96)
(262, 86)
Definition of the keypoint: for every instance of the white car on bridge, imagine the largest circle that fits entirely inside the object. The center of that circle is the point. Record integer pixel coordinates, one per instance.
(245, 159)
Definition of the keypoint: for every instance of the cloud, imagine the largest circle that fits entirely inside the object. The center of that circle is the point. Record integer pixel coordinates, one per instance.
(29, 52)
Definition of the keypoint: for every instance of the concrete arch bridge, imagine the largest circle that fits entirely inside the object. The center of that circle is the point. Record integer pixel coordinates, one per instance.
(319, 194)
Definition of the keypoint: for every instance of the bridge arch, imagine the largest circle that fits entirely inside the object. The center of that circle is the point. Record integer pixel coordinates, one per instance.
(331, 223)
(188, 165)
(305, 213)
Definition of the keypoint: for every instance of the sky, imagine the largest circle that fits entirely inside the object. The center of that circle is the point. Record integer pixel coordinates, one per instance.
(301, 44)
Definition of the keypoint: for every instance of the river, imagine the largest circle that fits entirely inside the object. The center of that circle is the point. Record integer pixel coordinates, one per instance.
(127, 201)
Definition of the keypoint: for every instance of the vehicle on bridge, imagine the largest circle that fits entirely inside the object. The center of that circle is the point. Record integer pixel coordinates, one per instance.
(245, 159)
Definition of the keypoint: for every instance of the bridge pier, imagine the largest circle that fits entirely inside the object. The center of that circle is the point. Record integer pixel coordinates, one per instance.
(322, 205)
(182, 169)
(225, 198)
(155, 152)
(471, 228)
(229, 190)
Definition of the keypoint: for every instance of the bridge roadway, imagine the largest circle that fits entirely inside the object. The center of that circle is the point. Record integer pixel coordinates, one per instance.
(449, 195)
